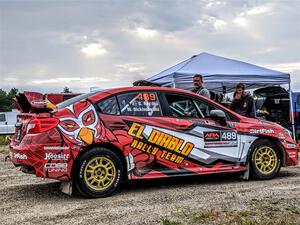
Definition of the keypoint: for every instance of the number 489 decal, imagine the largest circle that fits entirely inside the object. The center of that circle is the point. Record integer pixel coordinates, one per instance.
(228, 136)
(220, 136)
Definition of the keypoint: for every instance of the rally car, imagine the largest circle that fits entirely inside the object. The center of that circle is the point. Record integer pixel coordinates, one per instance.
(95, 141)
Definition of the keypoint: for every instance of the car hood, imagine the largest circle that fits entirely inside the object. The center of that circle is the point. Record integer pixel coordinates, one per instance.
(261, 122)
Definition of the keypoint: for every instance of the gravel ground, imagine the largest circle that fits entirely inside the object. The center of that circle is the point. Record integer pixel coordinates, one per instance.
(26, 199)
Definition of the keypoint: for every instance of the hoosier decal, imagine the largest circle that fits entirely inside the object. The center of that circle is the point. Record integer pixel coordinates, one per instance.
(171, 148)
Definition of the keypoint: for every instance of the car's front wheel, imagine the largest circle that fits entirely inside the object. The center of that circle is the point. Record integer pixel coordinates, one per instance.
(99, 172)
(265, 160)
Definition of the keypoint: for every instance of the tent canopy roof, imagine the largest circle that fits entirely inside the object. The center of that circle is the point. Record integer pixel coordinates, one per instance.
(218, 72)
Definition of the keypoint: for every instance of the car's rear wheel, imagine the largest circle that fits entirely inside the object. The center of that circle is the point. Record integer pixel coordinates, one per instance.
(99, 172)
(265, 160)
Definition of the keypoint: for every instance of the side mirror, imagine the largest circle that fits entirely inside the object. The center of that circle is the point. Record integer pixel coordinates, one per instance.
(219, 116)
(216, 113)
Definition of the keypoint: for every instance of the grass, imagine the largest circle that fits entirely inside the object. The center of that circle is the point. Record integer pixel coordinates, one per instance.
(267, 211)
(167, 221)
(4, 140)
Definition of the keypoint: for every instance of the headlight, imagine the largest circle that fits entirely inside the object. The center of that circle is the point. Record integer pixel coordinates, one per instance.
(287, 132)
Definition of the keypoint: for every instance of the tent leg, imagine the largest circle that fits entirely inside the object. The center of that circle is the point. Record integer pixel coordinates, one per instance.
(292, 112)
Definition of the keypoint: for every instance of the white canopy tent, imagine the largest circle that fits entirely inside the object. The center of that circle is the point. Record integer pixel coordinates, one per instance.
(221, 75)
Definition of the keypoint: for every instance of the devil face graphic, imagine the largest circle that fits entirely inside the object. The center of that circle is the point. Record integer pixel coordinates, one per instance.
(79, 123)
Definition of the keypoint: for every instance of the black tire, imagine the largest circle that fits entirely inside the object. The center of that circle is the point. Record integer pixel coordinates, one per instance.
(264, 159)
(98, 173)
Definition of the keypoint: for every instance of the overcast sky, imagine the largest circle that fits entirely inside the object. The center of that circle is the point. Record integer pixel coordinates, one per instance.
(46, 45)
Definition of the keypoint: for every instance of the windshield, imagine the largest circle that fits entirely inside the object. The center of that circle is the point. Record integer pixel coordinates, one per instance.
(75, 99)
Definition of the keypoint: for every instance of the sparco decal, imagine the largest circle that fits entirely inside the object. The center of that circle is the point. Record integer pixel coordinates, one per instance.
(59, 156)
(20, 156)
(159, 143)
(262, 131)
(56, 167)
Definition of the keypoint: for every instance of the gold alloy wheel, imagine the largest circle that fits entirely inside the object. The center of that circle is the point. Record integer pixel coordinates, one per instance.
(265, 160)
(99, 173)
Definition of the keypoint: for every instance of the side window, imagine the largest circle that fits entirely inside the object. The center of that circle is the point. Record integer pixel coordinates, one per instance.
(139, 104)
(2, 117)
(109, 106)
(181, 106)
(205, 108)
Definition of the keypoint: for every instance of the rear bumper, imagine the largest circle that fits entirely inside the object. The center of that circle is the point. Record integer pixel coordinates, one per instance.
(43, 161)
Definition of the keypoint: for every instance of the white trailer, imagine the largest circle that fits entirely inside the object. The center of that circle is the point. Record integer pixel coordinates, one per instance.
(8, 121)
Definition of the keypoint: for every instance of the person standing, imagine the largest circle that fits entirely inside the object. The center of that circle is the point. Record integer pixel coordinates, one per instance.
(198, 86)
(243, 102)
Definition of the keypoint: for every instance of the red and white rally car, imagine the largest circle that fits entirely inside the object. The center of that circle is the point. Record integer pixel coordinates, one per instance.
(94, 141)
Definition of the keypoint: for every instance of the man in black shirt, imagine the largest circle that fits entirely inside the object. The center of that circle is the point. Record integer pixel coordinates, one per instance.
(243, 102)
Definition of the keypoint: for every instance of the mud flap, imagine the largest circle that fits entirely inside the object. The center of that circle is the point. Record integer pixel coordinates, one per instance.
(66, 188)
(246, 174)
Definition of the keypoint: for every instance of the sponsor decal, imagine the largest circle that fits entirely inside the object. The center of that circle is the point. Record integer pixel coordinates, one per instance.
(56, 148)
(20, 156)
(38, 102)
(56, 167)
(293, 154)
(81, 169)
(291, 145)
(220, 138)
(59, 156)
(160, 144)
(262, 131)
(212, 136)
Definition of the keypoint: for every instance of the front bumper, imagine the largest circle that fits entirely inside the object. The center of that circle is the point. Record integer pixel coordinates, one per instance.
(291, 152)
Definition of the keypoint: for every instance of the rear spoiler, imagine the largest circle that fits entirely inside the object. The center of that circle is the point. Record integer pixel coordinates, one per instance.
(35, 102)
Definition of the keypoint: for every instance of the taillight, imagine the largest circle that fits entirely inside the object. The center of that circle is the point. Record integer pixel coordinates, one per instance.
(41, 125)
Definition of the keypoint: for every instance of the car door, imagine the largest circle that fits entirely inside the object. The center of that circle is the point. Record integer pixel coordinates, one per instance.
(136, 120)
(214, 142)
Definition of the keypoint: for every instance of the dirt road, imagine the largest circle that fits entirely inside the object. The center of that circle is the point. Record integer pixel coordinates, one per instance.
(216, 199)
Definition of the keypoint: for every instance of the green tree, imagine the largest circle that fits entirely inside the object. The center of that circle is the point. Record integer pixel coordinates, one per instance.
(6, 100)
(11, 95)
(67, 90)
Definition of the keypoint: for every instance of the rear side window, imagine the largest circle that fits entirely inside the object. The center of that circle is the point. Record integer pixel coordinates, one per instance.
(139, 104)
(2, 117)
(109, 106)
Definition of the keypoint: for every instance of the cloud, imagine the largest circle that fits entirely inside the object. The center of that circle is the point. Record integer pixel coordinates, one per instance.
(145, 33)
(259, 10)
(131, 67)
(113, 43)
(241, 21)
(93, 50)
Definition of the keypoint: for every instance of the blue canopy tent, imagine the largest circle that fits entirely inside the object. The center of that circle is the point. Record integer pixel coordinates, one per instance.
(220, 75)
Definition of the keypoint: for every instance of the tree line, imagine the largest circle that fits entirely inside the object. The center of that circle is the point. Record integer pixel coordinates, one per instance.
(6, 100)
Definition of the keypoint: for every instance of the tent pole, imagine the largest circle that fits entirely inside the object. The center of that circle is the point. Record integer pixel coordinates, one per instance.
(292, 112)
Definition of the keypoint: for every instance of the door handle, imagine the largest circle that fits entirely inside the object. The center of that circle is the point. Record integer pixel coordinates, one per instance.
(182, 128)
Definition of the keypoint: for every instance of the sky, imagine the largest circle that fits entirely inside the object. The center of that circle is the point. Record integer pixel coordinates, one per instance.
(47, 45)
